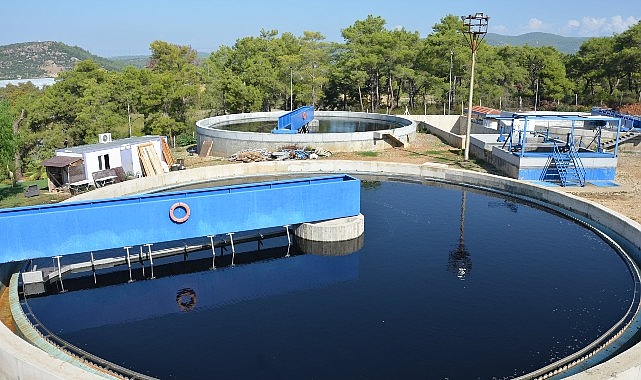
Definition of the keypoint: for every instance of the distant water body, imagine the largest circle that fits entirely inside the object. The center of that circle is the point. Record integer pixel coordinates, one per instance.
(38, 82)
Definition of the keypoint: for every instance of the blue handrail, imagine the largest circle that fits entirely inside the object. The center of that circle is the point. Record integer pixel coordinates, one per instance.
(578, 164)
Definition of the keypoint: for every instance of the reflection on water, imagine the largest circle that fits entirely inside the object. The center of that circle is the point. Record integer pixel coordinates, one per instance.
(460, 260)
(330, 248)
(393, 309)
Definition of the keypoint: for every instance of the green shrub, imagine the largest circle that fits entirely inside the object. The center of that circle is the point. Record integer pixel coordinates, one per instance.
(185, 139)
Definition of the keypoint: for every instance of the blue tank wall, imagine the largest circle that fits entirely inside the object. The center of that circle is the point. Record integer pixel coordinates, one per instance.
(591, 174)
(67, 228)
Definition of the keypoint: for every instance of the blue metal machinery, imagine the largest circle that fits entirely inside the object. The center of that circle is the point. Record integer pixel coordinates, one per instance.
(527, 126)
(629, 122)
(563, 157)
(86, 226)
(295, 121)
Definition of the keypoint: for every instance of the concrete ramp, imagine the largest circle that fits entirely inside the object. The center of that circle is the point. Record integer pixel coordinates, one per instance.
(205, 149)
(389, 138)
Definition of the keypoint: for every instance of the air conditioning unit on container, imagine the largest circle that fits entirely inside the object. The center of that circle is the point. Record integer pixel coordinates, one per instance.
(104, 138)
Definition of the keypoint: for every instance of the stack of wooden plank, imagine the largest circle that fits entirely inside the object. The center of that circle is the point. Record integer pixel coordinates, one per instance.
(149, 161)
(166, 153)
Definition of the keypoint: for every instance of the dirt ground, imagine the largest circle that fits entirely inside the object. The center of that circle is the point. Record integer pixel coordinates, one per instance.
(625, 199)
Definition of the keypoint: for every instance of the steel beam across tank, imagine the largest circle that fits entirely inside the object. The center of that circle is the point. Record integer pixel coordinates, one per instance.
(84, 226)
(293, 121)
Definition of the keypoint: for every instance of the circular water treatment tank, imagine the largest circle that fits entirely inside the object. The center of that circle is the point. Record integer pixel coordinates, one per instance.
(338, 132)
(449, 282)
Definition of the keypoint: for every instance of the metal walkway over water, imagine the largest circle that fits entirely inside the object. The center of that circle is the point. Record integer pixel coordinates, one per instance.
(87, 226)
(535, 153)
(295, 121)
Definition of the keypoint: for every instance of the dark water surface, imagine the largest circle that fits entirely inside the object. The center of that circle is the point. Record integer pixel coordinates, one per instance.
(329, 125)
(449, 284)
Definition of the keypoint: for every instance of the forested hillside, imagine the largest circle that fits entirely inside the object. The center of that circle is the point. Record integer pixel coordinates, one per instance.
(567, 45)
(45, 59)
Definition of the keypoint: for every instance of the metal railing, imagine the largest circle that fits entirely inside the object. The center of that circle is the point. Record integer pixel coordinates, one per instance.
(578, 164)
(561, 164)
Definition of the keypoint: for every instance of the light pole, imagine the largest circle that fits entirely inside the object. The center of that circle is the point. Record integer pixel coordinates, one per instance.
(536, 94)
(449, 93)
(291, 89)
(313, 79)
(475, 28)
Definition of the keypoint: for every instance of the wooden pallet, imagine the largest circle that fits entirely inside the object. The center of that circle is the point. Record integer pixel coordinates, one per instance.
(166, 153)
(149, 161)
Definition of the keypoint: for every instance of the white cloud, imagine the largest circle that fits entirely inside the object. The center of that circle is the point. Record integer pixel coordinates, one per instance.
(619, 24)
(599, 26)
(573, 24)
(535, 25)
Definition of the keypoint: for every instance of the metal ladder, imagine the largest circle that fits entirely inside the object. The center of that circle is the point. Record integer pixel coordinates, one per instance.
(568, 165)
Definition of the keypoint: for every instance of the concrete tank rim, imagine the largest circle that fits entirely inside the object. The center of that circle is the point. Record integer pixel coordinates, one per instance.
(241, 117)
(226, 142)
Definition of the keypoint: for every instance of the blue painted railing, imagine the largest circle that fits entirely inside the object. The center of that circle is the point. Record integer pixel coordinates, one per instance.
(569, 166)
(577, 164)
(628, 121)
(66, 228)
(293, 121)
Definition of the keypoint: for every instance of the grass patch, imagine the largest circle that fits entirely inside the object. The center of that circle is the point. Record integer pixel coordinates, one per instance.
(367, 153)
(13, 196)
(443, 156)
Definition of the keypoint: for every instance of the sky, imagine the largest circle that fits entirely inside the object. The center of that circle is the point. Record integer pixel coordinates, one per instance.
(111, 28)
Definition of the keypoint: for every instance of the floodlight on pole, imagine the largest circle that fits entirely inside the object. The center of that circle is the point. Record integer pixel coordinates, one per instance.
(474, 29)
(291, 89)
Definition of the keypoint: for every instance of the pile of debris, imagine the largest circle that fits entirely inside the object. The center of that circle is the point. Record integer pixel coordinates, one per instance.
(251, 155)
(287, 153)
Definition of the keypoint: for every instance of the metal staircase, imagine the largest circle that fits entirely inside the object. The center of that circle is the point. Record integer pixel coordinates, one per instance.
(628, 121)
(565, 167)
(626, 136)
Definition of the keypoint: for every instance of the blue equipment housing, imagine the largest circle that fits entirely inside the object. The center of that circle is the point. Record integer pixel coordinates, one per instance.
(294, 121)
(76, 227)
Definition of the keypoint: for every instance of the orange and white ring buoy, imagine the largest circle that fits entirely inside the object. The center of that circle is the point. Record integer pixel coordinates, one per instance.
(304, 115)
(186, 299)
(172, 211)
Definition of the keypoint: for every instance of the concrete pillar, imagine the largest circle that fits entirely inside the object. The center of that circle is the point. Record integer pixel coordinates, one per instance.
(340, 229)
